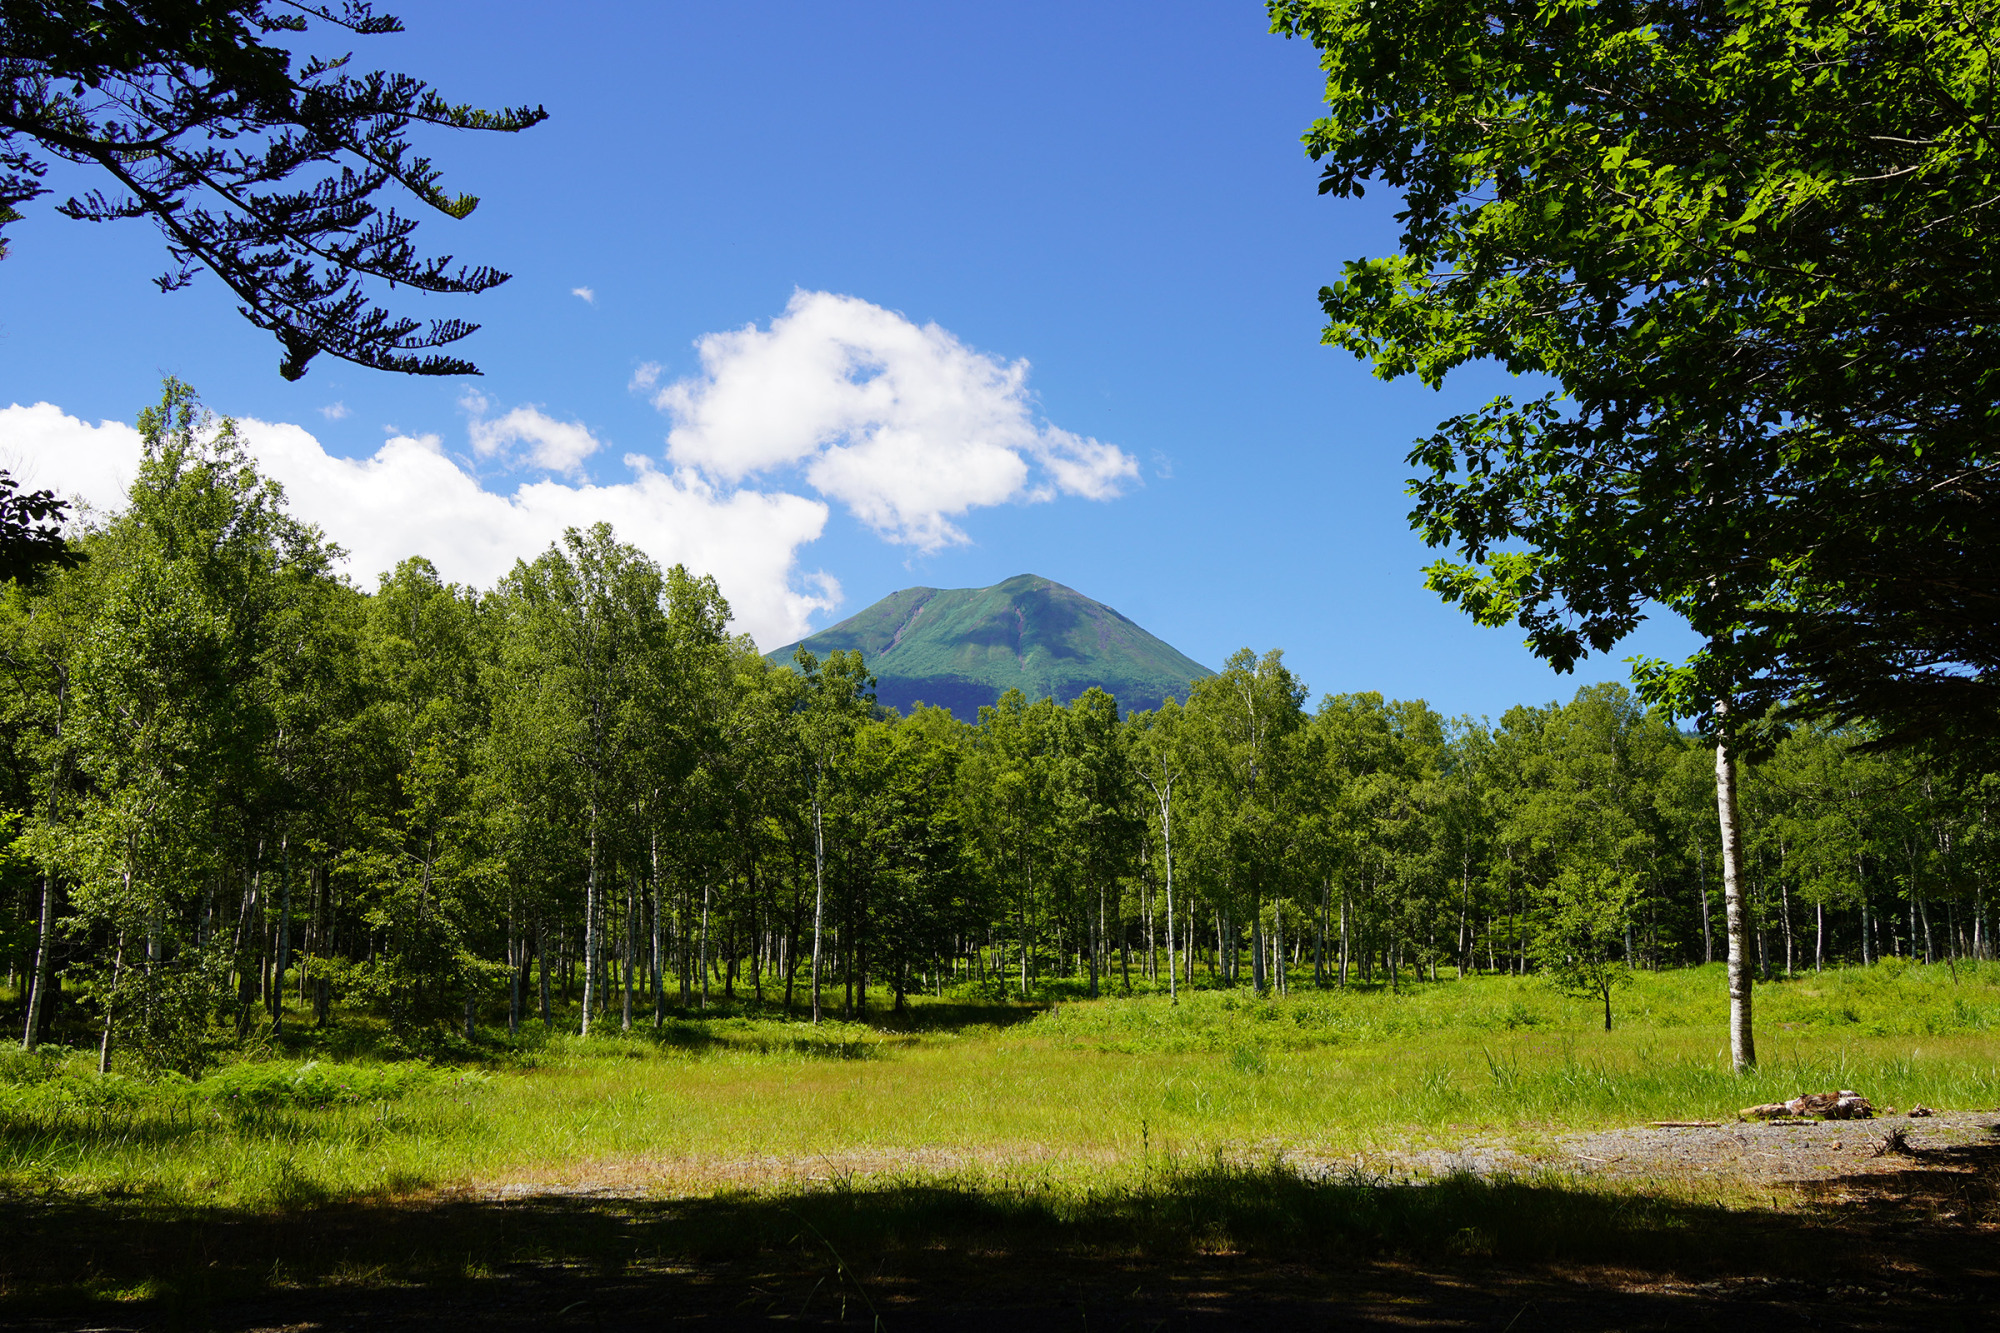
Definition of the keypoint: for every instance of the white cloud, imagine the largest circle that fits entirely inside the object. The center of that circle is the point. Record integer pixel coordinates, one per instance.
(586, 293)
(410, 499)
(905, 425)
(559, 446)
(334, 411)
(42, 447)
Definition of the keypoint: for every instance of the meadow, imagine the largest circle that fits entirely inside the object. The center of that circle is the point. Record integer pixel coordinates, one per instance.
(1149, 1127)
(1077, 1091)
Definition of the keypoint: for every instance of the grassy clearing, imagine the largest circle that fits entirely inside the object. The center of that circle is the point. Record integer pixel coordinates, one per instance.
(1083, 1101)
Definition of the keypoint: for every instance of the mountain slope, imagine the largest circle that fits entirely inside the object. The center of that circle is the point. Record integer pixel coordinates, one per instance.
(959, 648)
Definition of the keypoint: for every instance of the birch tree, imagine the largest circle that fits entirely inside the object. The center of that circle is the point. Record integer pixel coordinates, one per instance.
(584, 621)
(837, 696)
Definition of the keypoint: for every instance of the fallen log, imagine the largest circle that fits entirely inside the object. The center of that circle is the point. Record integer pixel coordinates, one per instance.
(1843, 1105)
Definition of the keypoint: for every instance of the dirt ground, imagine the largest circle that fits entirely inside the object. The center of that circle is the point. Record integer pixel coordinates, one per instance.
(1795, 1153)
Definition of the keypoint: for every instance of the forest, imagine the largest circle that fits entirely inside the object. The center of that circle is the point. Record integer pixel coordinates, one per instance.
(241, 792)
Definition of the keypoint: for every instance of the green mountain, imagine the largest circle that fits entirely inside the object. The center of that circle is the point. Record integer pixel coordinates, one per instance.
(959, 648)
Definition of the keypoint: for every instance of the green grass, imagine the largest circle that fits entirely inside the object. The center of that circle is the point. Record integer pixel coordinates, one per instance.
(1090, 1096)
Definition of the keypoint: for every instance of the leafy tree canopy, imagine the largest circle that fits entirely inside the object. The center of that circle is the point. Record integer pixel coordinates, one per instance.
(31, 532)
(1751, 242)
(258, 165)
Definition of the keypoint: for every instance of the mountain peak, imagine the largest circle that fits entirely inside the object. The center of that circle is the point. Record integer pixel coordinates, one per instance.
(960, 648)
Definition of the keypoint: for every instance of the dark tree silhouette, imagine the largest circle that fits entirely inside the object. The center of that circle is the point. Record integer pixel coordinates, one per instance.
(259, 165)
(31, 532)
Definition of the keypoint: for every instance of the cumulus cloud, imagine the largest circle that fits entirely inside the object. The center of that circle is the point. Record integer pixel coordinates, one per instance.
(527, 435)
(44, 448)
(904, 424)
(586, 293)
(411, 499)
(334, 411)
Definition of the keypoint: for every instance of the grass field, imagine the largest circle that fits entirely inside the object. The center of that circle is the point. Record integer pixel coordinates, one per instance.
(1125, 1125)
(1081, 1094)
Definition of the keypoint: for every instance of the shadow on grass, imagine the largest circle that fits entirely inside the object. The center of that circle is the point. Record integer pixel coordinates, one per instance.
(1211, 1246)
(956, 1015)
(691, 1036)
(687, 1028)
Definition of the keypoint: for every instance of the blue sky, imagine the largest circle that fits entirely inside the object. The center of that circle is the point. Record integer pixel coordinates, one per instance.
(1113, 193)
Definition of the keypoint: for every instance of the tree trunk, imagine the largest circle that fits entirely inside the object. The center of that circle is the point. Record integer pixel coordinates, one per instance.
(1278, 946)
(517, 967)
(39, 986)
(117, 970)
(590, 925)
(1762, 929)
(1701, 872)
(1152, 968)
(1319, 933)
(792, 940)
(707, 896)
(1742, 1041)
(1867, 925)
(819, 897)
(626, 941)
(659, 960)
(1343, 935)
(542, 966)
(1785, 906)
(1024, 940)
(1167, 838)
(1259, 980)
(1095, 930)
(284, 949)
(1467, 960)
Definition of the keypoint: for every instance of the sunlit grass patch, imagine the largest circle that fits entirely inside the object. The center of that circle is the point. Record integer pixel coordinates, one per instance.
(749, 1100)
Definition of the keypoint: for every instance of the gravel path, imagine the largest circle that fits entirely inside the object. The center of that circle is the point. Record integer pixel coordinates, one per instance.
(1750, 1152)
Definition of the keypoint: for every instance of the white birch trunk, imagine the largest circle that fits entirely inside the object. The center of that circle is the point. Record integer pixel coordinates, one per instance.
(625, 1018)
(284, 933)
(819, 896)
(1742, 1041)
(1167, 835)
(40, 982)
(590, 930)
(117, 972)
(659, 978)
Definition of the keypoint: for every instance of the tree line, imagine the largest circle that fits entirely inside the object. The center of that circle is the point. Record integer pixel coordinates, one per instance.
(240, 791)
